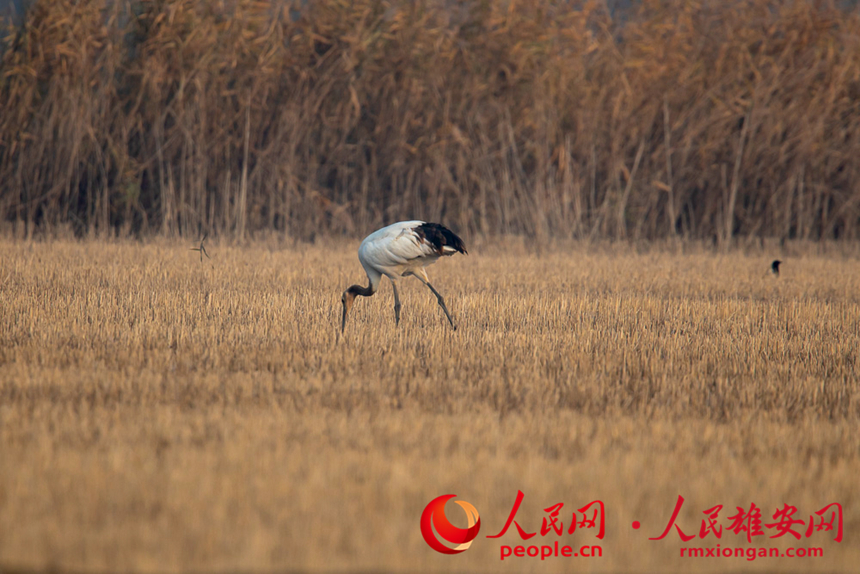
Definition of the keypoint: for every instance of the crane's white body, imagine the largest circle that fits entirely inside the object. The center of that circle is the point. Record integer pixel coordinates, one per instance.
(397, 251)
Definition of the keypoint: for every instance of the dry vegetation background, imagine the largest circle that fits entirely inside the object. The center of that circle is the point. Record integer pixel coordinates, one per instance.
(162, 414)
(695, 118)
(159, 413)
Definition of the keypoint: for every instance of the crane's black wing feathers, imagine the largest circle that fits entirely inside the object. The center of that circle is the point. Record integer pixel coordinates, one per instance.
(439, 237)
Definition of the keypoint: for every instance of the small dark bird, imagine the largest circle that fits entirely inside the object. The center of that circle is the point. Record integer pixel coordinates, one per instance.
(401, 250)
(774, 267)
(202, 248)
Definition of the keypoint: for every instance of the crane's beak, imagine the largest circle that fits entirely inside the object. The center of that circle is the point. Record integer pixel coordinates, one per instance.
(347, 300)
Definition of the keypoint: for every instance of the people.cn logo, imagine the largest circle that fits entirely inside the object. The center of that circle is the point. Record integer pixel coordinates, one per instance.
(434, 516)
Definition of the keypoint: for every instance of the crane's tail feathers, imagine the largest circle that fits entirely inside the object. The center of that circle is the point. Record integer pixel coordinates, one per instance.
(443, 240)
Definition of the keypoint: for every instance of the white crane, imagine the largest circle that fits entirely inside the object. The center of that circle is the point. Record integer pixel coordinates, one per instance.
(400, 250)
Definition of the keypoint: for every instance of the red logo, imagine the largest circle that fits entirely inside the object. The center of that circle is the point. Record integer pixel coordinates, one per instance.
(434, 516)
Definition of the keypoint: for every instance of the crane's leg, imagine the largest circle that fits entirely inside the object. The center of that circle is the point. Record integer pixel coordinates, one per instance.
(396, 304)
(422, 276)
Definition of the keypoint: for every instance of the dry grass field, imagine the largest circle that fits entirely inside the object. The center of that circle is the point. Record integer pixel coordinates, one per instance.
(163, 414)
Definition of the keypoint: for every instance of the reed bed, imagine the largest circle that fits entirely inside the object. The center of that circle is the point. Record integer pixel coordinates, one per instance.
(705, 120)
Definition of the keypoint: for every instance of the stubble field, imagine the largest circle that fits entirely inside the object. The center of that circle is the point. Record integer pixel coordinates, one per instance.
(159, 413)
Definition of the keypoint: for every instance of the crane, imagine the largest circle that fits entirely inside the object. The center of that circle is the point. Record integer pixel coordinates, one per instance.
(400, 250)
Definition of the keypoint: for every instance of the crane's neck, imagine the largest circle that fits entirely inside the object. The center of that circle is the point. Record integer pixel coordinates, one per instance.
(355, 290)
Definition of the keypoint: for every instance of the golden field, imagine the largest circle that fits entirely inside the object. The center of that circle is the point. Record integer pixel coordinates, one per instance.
(159, 413)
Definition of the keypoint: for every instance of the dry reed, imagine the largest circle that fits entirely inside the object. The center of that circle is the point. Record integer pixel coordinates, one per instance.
(708, 120)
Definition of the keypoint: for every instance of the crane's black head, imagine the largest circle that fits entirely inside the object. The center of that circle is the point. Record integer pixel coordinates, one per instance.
(348, 298)
(774, 267)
